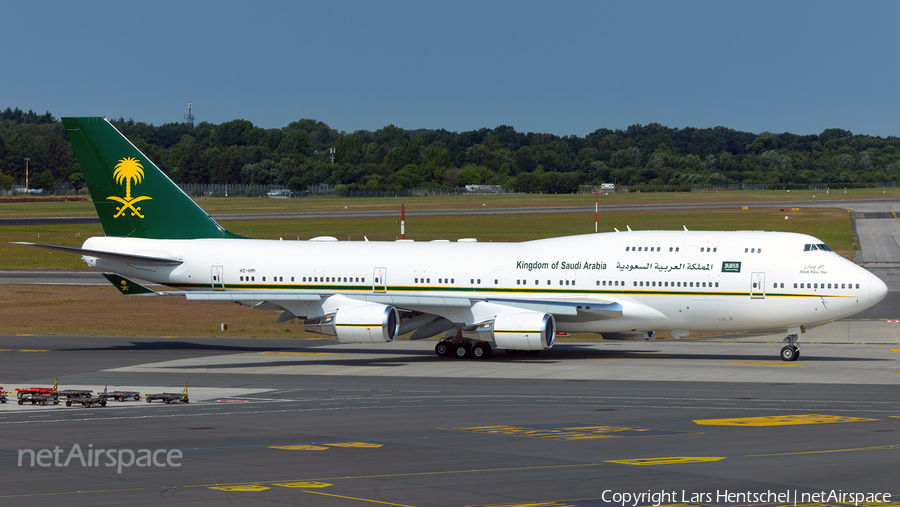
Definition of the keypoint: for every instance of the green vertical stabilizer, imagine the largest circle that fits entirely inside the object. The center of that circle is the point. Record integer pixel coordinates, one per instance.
(132, 196)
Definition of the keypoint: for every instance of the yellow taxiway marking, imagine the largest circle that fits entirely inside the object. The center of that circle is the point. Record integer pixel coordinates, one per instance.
(781, 420)
(299, 447)
(358, 499)
(772, 363)
(309, 484)
(298, 353)
(245, 487)
(570, 433)
(854, 449)
(893, 350)
(324, 447)
(885, 504)
(24, 350)
(363, 445)
(672, 460)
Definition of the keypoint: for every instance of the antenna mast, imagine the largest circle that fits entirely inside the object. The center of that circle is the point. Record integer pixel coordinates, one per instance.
(189, 117)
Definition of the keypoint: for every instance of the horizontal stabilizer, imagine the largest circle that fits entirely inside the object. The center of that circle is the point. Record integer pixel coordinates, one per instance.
(128, 287)
(113, 256)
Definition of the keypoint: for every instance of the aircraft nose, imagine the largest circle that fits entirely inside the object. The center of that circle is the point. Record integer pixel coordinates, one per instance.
(877, 289)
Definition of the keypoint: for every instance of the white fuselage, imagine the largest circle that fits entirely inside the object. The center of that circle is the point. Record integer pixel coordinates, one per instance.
(663, 280)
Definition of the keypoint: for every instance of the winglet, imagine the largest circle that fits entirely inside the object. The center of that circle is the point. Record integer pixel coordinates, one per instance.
(128, 287)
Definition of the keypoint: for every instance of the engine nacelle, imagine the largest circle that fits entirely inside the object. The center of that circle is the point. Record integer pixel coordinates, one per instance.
(630, 335)
(517, 331)
(362, 323)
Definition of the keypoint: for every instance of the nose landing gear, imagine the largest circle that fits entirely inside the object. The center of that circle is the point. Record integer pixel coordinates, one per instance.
(791, 351)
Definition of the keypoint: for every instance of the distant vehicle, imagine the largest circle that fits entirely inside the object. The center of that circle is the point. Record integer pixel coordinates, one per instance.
(280, 193)
(607, 186)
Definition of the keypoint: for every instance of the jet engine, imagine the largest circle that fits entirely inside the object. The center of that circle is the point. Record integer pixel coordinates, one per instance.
(362, 323)
(516, 331)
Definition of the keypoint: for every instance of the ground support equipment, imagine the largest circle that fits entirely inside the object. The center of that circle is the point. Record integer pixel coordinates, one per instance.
(170, 397)
(125, 395)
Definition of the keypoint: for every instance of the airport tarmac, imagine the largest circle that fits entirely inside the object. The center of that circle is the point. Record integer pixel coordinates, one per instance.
(316, 422)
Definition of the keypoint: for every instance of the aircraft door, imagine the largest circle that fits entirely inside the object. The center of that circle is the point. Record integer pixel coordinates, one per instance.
(757, 286)
(379, 280)
(217, 278)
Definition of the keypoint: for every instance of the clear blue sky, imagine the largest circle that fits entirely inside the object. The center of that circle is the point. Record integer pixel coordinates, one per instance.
(559, 67)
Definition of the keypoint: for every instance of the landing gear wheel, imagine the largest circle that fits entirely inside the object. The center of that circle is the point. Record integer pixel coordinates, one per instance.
(461, 350)
(481, 351)
(68, 403)
(442, 349)
(789, 353)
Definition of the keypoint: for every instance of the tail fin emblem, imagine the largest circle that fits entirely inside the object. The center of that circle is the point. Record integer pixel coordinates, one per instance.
(128, 170)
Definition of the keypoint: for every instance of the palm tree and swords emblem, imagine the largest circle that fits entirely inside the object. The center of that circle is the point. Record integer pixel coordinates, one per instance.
(128, 170)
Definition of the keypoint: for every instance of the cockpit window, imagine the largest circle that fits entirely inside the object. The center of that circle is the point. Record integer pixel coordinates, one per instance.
(817, 246)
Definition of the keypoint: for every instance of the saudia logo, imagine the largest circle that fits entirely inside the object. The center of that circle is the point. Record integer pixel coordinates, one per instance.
(128, 170)
(731, 267)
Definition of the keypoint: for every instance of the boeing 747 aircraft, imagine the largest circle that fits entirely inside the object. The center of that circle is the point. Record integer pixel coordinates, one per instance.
(513, 296)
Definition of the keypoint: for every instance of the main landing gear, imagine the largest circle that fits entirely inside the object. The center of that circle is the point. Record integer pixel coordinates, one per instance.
(463, 349)
(791, 351)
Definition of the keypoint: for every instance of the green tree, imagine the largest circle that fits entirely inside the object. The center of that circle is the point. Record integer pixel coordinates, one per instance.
(77, 180)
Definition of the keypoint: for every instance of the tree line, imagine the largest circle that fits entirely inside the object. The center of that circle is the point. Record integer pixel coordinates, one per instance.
(309, 152)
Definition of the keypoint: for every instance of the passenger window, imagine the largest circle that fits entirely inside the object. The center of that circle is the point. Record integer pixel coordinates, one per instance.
(759, 250)
(754, 285)
(795, 285)
(479, 281)
(717, 284)
(857, 286)
(843, 286)
(746, 249)
(676, 248)
(704, 284)
(626, 248)
(714, 249)
(670, 249)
